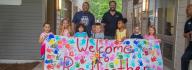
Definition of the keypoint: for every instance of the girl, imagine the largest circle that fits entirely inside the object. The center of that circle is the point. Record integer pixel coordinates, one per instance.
(121, 32)
(46, 32)
(136, 33)
(152, 33)
(80, 31)
(98, 31)
(65, 28)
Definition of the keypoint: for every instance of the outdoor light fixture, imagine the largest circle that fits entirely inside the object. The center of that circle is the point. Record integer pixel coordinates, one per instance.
(60, 5)
(144, 5)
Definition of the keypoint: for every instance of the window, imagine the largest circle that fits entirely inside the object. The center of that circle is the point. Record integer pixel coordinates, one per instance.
(10, 2)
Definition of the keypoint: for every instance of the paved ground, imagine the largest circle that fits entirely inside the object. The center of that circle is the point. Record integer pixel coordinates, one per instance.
(26, 66)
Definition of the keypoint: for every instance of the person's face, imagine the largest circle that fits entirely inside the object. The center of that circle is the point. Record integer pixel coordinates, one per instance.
(85, 7)
(120, 24)
(136, 29)
(47, 28)
(65, 23)
(151, 31)
(81, 29)
(97, 29)
(112, 6)
(189, 11)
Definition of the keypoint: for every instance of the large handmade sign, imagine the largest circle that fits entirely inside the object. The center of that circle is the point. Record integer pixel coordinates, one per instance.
(69, 53)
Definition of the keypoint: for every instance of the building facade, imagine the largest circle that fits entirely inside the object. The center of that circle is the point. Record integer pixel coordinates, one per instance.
(169, 18)
(21, 25)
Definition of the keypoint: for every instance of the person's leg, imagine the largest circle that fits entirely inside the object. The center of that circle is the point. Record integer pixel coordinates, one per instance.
(185, 59)
(42, 65)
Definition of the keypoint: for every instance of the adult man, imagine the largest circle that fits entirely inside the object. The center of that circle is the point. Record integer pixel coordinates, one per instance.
(110, 19)
(187, 56)
(85, 17)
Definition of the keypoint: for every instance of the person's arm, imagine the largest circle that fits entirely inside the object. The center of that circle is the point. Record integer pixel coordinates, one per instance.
(116, 35)
(74, 22)
(93, 19)
(41, 39)
(186, 35)
(127, 34)
(121, 16)
(103, 21)
(141, 36)
(103, 36)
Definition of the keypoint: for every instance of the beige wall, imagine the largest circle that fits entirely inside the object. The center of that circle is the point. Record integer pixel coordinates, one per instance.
(180, 41)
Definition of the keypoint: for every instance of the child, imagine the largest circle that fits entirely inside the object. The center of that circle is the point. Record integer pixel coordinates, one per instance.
(46, 32)
(152, 33)
(98, 31)
(121, 32)
(136, 33)
(65, 28)
(80, 31)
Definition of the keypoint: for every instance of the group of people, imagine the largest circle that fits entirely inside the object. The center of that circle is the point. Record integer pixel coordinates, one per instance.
(112, 26)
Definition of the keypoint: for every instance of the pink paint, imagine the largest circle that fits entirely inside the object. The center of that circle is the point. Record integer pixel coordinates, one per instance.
(159, 68)
(50, 56)
(112, 57)
(49, 50)
(64, 41)
(77, 58)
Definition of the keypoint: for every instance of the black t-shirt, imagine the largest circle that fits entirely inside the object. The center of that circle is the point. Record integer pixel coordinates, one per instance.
(110, 23)
(188, 26)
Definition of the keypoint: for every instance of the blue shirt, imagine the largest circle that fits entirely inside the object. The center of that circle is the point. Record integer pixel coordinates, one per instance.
(85, 17)
(98, 35)
(110, 22)
(137, 36)
(80, 34)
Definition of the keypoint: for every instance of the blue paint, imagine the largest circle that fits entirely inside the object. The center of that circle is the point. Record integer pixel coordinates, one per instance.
(133, 63)
(56, 51)
(127, 56)
(51, 36)
(136, 49)
(72, 68)
(48, 61)
(83, 42)
(67, 63)
(160, 62)
(92, 41)
(140, 62)
(157, 46)
(104, 54)
(139, 55)
(134, 56)
(57, 38)
(126, 42)
(87, 66)
(136, 42)
(71, 41)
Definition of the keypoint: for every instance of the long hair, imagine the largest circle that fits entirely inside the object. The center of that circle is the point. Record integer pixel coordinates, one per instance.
(153, 27)
(68, 27)
(187, 9)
